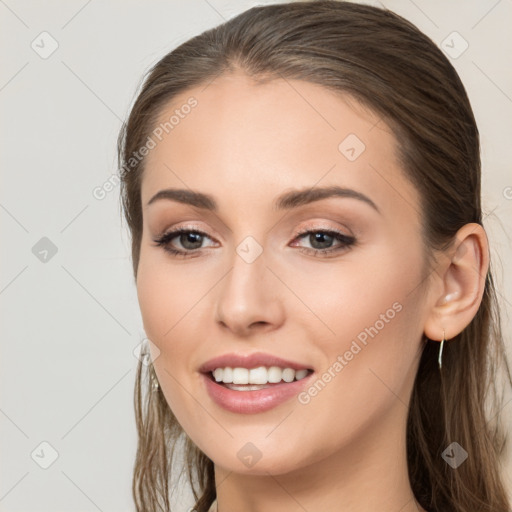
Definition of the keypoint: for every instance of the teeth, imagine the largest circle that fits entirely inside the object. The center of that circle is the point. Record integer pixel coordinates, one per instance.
(260, 375)
(300, 374)
(275, 374)
(227, 375)
(240, 376)
(288, 374)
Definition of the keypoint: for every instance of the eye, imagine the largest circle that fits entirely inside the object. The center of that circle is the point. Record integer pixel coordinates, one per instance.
(322, 240)
(191, 240)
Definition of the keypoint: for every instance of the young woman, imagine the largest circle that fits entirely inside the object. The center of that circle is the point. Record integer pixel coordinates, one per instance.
(302, 187)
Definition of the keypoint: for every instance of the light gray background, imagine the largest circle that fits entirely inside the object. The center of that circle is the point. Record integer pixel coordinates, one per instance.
(70, 324)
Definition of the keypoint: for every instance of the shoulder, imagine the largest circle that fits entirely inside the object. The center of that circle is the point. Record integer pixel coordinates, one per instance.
(213, 506)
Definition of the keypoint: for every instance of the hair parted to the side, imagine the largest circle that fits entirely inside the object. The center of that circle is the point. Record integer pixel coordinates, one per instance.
(387, 64)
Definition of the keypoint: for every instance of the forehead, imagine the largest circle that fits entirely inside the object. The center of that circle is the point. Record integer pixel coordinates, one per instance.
(260, 138)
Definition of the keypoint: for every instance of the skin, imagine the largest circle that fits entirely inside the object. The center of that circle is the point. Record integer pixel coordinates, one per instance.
(245, 144)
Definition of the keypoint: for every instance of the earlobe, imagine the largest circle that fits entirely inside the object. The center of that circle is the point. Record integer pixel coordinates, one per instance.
(462, 281)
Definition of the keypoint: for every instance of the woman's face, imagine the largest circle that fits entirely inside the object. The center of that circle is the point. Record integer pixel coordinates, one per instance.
(353, 312)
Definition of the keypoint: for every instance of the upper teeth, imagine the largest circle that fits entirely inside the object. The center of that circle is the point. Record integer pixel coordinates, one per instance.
(260, 375)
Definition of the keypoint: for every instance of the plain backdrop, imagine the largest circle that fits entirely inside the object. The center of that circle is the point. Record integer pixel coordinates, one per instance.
(70, 319)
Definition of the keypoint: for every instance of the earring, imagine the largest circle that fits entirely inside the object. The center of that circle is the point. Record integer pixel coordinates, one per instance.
(439, 359)
(154, 380)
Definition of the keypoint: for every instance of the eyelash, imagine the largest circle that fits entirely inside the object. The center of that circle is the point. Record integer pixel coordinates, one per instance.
(346, 241)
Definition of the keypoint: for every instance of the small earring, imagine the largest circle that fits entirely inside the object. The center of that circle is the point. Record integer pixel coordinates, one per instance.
(154, 380)
(439, 359)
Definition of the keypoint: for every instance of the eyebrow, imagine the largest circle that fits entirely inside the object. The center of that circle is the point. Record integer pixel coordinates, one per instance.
(286, 201)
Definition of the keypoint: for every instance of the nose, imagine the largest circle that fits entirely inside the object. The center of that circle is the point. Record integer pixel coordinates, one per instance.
(248, 298)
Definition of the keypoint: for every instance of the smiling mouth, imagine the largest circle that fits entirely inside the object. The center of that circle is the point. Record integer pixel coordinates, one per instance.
(285, 379)
(254, 391)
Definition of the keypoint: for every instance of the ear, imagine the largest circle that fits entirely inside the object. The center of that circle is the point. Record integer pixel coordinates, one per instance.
(460, 282)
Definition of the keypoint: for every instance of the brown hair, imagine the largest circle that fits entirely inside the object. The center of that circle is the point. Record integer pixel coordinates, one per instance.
(387, 64)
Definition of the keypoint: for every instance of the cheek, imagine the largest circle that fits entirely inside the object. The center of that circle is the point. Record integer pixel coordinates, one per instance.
(164, 302)
(161, 301)
(153, 302)
(347, 296)
(172, 303)
(368, 351)
(165, 294)
(367, 319)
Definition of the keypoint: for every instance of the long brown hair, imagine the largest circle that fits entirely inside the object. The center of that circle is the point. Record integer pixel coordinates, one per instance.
(387, 64)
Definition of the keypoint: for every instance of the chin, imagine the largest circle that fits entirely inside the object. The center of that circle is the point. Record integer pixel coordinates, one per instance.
(249, 459)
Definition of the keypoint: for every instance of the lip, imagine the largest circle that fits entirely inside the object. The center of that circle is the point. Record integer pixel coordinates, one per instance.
(250, 361)
(252, 402)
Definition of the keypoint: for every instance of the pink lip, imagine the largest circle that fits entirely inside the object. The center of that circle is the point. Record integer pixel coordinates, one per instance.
(250, 361)
(251, 402)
